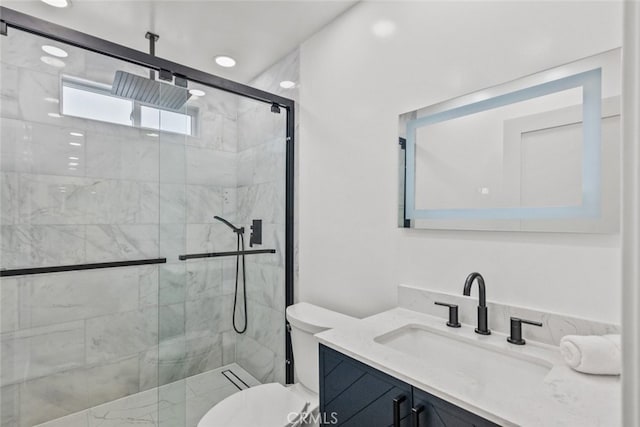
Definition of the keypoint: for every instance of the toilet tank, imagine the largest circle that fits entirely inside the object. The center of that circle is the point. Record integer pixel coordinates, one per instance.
(306, 320)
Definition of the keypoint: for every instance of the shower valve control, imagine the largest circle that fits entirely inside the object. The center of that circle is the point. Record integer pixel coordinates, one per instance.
(256, 233)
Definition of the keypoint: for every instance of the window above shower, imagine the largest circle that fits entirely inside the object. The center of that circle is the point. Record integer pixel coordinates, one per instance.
(92, 100)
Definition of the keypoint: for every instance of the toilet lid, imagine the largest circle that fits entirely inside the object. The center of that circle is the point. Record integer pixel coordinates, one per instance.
(266, 405)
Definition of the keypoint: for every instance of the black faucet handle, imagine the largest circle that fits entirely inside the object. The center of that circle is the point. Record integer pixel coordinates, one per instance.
(516, 330)
(453, 314)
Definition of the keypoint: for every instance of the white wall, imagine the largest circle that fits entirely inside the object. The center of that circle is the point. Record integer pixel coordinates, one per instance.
(353, 87)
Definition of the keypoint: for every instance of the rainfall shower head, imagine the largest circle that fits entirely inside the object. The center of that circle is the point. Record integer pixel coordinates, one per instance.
(149, 90)
(235, 229)
(152, 92)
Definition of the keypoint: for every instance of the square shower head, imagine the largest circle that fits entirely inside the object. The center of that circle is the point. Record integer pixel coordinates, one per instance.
(143, 89)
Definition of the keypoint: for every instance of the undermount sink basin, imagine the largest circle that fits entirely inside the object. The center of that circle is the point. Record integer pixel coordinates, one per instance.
(463, 358)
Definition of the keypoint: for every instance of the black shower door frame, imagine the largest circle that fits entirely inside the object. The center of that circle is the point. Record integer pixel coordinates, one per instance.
(10, 18)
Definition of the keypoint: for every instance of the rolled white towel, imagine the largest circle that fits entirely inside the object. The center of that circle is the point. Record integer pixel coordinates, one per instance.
(593, 354)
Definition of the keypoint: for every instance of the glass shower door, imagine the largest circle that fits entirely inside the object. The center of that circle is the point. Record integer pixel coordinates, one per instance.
(80, 186)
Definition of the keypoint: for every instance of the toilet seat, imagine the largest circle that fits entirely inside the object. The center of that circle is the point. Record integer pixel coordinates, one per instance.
(266, 405)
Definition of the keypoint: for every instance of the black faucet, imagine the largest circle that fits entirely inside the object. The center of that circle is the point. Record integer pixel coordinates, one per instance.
(482, 328)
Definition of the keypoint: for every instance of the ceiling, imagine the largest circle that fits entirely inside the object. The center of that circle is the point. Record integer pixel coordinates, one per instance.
(192, 32)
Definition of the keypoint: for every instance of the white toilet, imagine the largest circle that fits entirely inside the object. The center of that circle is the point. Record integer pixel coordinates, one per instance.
(274, 405)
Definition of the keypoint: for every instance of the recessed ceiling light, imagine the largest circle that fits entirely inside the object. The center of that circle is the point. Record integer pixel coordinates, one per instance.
(54, 115)
(287, 84)
(225, 61)
(75, 144)
(57, 3)
(73, 158)
(73, 163)
(55, 51)
(153, 135)
(197, 92)
(52, 100)
(54, 62)
(76, 134)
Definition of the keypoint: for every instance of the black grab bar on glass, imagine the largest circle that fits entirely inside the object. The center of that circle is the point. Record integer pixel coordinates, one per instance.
(78, 267)
(230, 253)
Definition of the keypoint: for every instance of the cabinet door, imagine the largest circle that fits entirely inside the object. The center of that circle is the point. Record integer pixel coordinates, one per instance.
(440, 413)
(353, 394)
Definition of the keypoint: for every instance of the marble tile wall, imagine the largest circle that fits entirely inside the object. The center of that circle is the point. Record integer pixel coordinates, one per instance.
(70, 341)
(261, 195)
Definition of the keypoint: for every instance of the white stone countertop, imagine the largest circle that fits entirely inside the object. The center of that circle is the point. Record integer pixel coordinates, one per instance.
(564, 398)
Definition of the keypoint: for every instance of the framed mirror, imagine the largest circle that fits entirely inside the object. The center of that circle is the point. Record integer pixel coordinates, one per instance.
(540, 153)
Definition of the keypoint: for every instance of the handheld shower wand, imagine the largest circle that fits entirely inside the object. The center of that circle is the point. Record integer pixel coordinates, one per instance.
(240, 243)
(239, 230)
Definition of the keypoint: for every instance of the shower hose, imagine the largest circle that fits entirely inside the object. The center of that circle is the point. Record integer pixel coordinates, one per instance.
(240, 243)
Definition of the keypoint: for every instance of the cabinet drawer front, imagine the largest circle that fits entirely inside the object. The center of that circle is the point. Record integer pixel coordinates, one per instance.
(440, 413)
(357, 394)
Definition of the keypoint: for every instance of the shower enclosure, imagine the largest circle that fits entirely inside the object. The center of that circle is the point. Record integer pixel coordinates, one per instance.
(118, 285)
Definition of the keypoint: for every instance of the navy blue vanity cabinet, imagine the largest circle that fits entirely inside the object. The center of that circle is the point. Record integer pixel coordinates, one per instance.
(356, 395)
(436, 412)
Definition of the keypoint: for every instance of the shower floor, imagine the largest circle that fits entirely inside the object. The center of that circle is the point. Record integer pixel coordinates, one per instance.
(167, 406)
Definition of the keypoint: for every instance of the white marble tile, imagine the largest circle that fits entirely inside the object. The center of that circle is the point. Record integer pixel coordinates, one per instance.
(103, 155)
(107, 382)
(266, 326)
(37, 352)
(63, 297)
(150, 204)
(172, 404)
(49, 199)
(10, 405)
(208, 314)
(9, 193)
(173, 167)
(138, 409)
(258, 125)
(262, 163)
(264, 201)
(203, 354)
(173, 203)
(258, 360)
(9, 106)
(53, 396)
(204, 278)
(229, 202)
(266, 285)
(121, 242)
(209, 167)
(39, 245)
(148, 286)
(78, 419)
(170, 321)
(204, 238)
(210, 130)
(162, 364)
(229, 135)
(173, 241)
(203, 202)
(140, 159)
(228, 347)
(9, 291)
(172, 283)
(117, 335)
